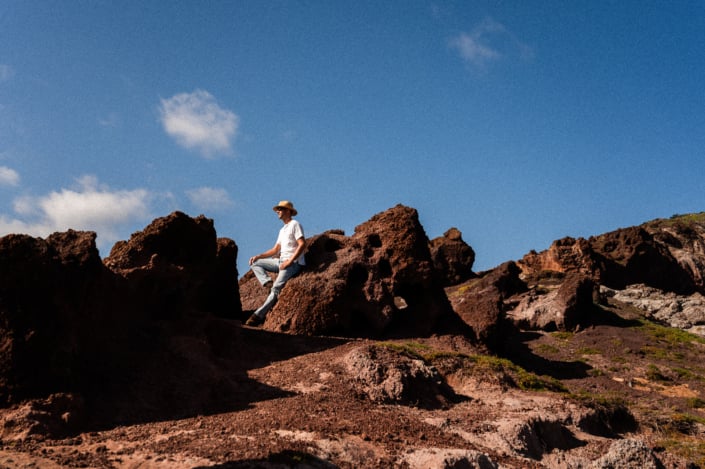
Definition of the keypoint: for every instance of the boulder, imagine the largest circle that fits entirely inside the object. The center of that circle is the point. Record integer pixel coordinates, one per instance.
(452, 257)
(177, 267)
(378, 282)
(480, 302)
(58, 312)
(628, 454)
(632, 255)
(386, 376)
(565, 308)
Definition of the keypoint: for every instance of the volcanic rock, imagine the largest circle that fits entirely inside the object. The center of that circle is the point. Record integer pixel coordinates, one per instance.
(685, 312)
(480, 302)
(387, 376)
(378, 282)
(665, 254)
(176, 267)
(452, 257)
(57, 312)
(565, 308)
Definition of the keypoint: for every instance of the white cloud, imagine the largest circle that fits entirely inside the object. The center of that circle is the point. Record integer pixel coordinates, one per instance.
(89, 207)
(6, 72)
(8, 176)
(196, 121)
(210, 198)
(489, 41)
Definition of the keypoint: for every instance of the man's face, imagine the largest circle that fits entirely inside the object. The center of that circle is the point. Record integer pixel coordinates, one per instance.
(282, 213)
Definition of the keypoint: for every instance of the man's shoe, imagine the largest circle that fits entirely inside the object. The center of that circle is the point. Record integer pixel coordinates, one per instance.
(253, 321)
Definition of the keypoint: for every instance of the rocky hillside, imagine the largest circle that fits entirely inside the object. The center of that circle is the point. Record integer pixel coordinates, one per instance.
(387, 351)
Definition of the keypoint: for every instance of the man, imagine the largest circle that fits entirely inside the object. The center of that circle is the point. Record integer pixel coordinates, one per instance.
(286, 259)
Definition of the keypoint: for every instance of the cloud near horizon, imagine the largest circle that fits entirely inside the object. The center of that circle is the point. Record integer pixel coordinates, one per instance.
(89, 207)
(197, 122)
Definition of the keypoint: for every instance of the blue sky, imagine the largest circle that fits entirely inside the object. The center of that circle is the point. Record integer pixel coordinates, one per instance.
(518, 122)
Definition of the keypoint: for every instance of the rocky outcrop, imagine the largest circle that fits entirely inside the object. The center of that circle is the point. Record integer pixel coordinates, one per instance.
(386, 376)
(452, 257)
(69, 322)
(378, 282)
(685, 312)
(177, 266)
(565, 308)
(58, 312)
(665, 254)
(481, 302)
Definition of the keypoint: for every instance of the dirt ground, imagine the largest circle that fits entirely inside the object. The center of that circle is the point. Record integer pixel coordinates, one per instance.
(552, 400)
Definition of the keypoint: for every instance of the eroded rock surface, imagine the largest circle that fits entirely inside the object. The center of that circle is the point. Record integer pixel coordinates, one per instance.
(378, 282)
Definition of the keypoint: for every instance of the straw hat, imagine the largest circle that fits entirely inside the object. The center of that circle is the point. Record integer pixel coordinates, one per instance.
(287, 205)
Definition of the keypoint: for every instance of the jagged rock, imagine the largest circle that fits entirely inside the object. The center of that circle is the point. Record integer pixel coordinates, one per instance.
(566, 308)
(480, 302)
(564, 255)
(57, 312)
(378, 282)
(176, 266)
(628, 454)
(55, 416)
(386, 376)
(684, 237)
(685, 312)
(452, 257)
(627, 256)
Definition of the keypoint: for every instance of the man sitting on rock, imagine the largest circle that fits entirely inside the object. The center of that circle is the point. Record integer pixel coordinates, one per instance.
(285, 258)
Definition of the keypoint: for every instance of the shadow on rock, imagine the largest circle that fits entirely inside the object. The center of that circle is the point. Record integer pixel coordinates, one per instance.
(287, 458)
(520, 354)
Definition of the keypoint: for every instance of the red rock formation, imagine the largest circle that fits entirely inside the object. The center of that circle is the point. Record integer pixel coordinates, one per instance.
(452, 257)
(176, 266)
(480, 302)
(378, 282)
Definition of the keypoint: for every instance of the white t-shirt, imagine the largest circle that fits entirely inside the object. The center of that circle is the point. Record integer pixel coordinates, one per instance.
(288, 235)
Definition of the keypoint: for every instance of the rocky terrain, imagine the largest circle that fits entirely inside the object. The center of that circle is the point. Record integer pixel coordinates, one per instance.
(387, 351)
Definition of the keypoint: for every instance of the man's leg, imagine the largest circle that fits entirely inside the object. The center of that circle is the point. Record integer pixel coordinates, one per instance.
(260, 268)
(282, 278)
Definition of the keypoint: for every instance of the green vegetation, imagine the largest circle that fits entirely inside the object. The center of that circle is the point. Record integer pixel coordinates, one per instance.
(653, 373)
(524, 380)
(691, 449)
(588, 351)
(481, 365)
(609, 403)
(565, 336)
(696, 403)
(548, 349)
(669, 335)
(413, 350)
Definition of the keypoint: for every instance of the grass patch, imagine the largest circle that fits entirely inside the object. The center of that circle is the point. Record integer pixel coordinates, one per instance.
(413, 350)
(653, 373)
(588, 351)
(563, 335)
(523, 379)
(548, 349)
(696, 403)
(669, 335)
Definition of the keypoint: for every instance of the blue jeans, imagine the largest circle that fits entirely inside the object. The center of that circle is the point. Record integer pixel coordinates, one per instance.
(260, 268)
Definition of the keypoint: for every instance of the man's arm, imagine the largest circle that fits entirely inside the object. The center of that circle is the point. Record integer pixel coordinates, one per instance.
(270, 253)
